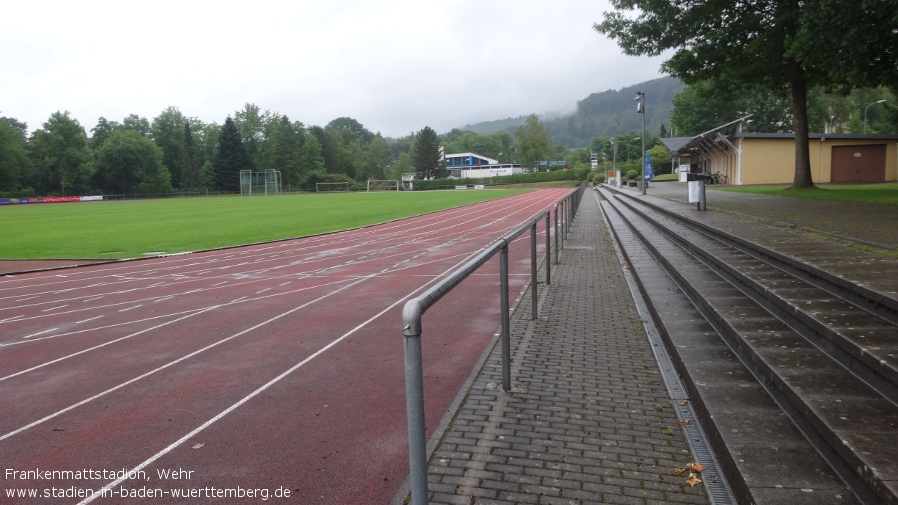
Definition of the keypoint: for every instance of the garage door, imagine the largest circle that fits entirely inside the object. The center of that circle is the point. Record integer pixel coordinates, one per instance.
(859, 163)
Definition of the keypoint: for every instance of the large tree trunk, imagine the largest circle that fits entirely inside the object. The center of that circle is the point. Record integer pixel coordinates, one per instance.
(799, 89)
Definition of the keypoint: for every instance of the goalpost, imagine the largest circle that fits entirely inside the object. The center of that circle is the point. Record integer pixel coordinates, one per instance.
(382, 185)
(260, 183)
(331, 187)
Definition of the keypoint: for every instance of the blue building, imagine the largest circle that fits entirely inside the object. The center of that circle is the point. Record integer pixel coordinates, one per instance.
(472, 165)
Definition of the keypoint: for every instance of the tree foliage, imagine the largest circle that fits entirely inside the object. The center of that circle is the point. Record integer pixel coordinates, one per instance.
(426, 156)
(534, 144)
(13, 154)
(61, 161)
(774, 44)
(230, 158)
(128, 163)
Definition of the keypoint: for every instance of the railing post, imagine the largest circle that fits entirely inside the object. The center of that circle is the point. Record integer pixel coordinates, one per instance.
(533, 279)
(414, 401)
(506, 331)
(557, 231)
(563, 224)
(548, 252)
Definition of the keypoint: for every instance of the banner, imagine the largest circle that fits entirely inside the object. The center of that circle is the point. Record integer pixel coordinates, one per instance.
(61, 199)
(648, 172)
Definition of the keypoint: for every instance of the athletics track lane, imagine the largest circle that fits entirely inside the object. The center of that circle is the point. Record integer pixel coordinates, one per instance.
(117, 366)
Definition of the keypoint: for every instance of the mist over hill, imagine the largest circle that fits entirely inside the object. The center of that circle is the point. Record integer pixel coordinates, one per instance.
(603, 114)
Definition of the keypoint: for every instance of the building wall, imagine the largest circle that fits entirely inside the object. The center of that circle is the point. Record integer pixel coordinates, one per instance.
(772, 160)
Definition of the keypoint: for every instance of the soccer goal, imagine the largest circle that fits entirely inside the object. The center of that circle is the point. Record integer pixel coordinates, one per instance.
(383, 185)
(331, 187)
(260, 183)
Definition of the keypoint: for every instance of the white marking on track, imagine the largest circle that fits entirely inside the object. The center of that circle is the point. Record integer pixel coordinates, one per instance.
(270, 383)
(89, 319)
(130, 308)
(54, 308)
(40, 333)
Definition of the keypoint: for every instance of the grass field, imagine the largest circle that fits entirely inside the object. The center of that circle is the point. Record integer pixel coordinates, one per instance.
(130, 229)
(871, 193)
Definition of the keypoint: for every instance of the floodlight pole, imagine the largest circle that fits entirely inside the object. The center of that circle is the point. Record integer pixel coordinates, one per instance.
(640, 109)
(865, 113)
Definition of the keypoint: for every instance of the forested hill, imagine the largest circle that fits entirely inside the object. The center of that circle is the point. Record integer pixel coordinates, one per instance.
(608, 113)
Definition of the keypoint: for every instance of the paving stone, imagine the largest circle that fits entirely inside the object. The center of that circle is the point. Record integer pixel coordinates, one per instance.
(585, 418)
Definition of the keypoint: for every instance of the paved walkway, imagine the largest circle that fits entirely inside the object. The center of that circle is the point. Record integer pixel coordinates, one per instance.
(589, 419)
(869, 223)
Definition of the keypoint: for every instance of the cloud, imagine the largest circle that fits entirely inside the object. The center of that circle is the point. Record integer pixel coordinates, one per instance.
(395, 66)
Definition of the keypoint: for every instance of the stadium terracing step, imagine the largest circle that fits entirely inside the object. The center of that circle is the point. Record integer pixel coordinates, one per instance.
(793, 368)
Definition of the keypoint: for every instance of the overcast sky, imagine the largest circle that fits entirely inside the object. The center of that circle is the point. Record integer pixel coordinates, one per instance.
(395, 66)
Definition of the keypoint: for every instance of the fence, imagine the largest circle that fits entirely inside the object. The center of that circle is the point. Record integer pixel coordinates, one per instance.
(414, 309)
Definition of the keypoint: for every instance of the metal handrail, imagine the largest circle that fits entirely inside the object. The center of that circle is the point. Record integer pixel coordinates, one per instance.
(414, 310)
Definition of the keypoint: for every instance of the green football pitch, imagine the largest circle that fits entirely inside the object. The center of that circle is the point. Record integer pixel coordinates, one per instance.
(130, 229)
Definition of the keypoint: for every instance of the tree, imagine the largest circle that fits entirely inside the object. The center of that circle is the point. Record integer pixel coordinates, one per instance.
(61, 160)
(285, 150)
(168, 133)
(327, 147)
(135, 122)
(376, 159)
(230, 158)
(775, 44)
(128, 162)
(351, 125)
(191, 176)
(310, 158)
(426, 156)
(101, 132)
(534, 144)
(252, 123)
(13, 153)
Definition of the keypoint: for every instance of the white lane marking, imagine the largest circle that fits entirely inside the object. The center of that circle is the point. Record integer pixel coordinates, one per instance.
(89, 319)
(130, 308)
(169, 364)
(57, 360)
(39, 333)
(267, 385)
(54, 308)
(87, 400)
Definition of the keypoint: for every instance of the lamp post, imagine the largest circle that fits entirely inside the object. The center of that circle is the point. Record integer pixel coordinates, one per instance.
(640, 109)
(865, 113)
(628, 148)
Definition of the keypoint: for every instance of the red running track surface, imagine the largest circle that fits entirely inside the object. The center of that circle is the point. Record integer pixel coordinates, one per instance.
(262, 370)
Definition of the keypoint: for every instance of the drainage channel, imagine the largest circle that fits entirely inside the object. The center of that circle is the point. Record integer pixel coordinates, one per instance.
(719, 491)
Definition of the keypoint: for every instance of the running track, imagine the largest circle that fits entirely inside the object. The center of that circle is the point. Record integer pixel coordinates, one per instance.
(276, 366)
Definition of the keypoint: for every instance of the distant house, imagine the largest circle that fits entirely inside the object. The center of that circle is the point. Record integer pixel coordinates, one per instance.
(475, 166)
(769, 158)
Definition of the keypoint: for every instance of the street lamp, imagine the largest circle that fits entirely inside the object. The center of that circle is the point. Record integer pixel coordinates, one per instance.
(640, 109)
(865, 113)
(628, 147)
